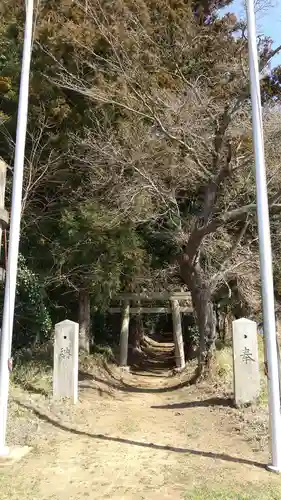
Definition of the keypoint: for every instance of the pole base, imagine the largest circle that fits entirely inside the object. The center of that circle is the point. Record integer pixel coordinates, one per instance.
(13, 454)
(273, 468)
(125, 369)
(4, 452)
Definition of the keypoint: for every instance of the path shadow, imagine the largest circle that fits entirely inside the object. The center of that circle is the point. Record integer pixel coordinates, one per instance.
(99, 390)
(150, 374)
(131, 388)
(197, 404)
(122, 386)
(103, 437)
(35, 390)
(84, 376)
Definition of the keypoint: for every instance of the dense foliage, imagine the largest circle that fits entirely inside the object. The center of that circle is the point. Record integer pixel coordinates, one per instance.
(32, 323)
(139, 164)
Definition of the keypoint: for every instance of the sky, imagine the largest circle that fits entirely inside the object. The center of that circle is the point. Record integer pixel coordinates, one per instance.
(268, 22)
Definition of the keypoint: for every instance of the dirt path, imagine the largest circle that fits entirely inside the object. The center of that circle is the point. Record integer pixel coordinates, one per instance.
(137, 436)
(141, 439)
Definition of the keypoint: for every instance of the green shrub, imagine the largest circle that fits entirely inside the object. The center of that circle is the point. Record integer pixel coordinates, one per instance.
(32, 322)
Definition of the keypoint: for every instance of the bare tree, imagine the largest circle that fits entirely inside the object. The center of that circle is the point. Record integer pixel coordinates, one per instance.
(178, 152)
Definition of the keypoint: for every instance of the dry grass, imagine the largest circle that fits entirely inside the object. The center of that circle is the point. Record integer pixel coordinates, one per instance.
(33, 372)
(251, 493)
(33, 377)
(224, 365)
(15, 490)
(252, 421)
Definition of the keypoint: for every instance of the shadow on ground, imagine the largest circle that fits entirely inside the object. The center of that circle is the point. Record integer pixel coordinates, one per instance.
(33, 389)
(150, 374)
(197, 404)
(122, 386)
(206, 454)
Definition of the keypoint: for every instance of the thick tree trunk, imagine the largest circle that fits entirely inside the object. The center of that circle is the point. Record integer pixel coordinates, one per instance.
(224, 324)
(84, 321)
(124, 335)
(220, 322)
(139, 328)
(177, 333)
(206, 317)
(228, 326)
(136, 330)
(207, 332)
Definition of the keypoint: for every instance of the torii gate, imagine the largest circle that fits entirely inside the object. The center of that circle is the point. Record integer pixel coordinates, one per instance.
(175, 309)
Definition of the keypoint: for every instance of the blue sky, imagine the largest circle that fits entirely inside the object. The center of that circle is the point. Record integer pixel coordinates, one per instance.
(268, 22)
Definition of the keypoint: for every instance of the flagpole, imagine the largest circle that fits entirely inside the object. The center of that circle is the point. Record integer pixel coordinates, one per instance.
(264, 247)
(14, 235)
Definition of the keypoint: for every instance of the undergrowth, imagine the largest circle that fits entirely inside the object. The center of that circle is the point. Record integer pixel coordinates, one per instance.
(33, 369)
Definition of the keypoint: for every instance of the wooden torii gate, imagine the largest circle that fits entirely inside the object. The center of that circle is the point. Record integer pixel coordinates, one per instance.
(175, 309)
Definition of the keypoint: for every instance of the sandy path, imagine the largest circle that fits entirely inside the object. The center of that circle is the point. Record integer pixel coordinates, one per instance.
(140, 442)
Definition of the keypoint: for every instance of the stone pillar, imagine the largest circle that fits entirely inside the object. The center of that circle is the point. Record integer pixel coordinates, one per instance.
(65, 377)
(245, 361)
(124, 334)
(177, 333)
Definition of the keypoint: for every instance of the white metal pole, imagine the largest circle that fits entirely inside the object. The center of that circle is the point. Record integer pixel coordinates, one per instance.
(11, 275)
(264, 247)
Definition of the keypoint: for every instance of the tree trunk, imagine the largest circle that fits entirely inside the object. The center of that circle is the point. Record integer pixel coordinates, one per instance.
(124, 334)
(84, 321)
(220, 324)
(207, 332)
(177, 333)
(228, 326)
(136, 330)
(206, 319)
